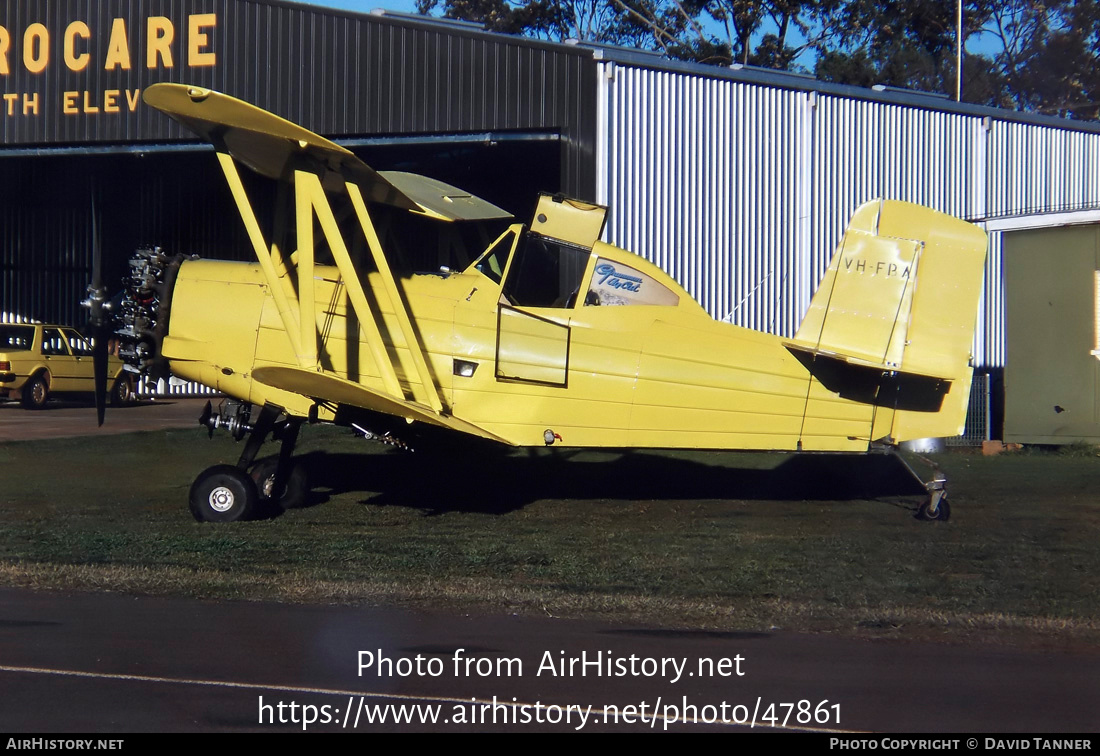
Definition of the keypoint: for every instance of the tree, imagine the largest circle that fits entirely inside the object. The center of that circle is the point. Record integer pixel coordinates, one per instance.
(1049, 55)
(1040, 56)
(1045, 56)
(723, 31)
(910, 45)
(720, 32)
(557, 20)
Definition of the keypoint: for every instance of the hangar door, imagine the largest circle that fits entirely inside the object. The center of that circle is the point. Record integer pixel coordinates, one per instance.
(1052, 365)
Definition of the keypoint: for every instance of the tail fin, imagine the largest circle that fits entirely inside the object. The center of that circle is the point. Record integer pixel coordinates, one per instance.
(893, 321)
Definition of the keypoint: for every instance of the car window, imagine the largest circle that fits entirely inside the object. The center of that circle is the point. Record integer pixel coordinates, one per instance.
(80, 346)
(16, 337)
(53, 343)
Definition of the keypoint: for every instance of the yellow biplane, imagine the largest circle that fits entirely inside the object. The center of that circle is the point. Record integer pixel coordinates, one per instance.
(549, 337)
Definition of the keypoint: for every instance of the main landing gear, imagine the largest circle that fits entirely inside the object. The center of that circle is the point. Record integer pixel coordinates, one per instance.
(228, 493)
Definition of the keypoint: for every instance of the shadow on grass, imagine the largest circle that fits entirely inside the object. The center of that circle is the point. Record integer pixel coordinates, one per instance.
(500, 483)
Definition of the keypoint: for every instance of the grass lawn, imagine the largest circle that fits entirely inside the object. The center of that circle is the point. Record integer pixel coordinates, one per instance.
(724, 541)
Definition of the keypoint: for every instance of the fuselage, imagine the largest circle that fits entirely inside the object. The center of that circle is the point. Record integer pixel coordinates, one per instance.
(628, 374)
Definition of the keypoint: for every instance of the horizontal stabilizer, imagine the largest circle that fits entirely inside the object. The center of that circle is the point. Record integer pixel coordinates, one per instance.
(801, 349)
(862, 382)
(330, 388)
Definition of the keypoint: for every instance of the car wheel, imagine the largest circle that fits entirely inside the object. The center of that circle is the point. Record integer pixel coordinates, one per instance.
(223, 493)
(36, 392)
(122, 392)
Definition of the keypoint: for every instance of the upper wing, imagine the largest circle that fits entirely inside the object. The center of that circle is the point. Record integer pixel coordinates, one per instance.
(265, 142)
(441, 200)
(273, 146)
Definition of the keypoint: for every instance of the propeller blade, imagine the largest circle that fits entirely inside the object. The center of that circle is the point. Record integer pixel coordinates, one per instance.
(97, 252)
(98, 321)
(99, 362)
(205, 418)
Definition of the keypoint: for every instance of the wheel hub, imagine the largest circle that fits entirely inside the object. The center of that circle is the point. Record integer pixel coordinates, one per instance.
(221, 499)
(268, 486)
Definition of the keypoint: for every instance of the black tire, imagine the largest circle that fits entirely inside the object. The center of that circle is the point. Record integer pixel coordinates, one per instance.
(36, 392)
(122, 391)
(943, 511)
(223, 493)
(294, 492)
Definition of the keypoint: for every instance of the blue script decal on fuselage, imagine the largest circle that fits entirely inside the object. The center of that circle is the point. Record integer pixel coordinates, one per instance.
(616, 280)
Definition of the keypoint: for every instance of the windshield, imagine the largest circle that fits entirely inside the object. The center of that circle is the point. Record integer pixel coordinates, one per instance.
(14, 338)
(495, 259)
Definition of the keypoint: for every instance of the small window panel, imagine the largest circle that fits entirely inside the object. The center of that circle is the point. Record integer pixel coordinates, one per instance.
(16, 337)
(615, 284)
(495, 260)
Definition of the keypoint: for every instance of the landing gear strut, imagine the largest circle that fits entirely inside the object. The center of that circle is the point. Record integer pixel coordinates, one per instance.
(935, 507)
(228, 493)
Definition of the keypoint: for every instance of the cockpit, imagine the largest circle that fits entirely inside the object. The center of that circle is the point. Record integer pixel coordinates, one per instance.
(549, 272)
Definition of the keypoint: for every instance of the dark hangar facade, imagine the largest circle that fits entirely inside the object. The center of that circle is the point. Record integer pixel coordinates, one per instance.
(82, 156)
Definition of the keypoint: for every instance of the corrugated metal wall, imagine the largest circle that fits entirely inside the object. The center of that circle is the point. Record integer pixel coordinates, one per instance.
(173, 200)
(31, 282)
(742, 190)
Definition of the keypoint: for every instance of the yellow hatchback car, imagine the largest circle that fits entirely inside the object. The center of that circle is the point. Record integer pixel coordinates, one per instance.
(39, 360)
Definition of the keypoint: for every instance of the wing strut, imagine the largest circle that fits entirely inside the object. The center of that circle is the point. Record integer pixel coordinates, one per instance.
(289, 313)
(311, 198)
(391, 288)
(281, 150)
(299, 316)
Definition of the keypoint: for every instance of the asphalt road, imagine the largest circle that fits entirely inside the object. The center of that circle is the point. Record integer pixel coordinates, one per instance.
(106, 663)
(66, 417)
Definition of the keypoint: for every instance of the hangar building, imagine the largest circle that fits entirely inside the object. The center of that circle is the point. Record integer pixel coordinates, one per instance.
(737, 181)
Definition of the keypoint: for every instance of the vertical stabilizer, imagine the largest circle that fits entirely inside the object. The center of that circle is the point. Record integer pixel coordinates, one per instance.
(892, 323)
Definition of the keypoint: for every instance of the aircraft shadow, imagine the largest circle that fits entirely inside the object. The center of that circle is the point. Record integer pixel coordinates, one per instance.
(499, 483)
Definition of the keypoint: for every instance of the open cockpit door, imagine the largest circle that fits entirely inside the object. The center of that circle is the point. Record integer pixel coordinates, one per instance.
(569, 220)
(542, 286)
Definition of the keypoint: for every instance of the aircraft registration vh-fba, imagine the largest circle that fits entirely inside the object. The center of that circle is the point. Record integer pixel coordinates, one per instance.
(549, 337)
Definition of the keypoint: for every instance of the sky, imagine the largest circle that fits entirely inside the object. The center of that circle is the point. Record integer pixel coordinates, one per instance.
(366, 6)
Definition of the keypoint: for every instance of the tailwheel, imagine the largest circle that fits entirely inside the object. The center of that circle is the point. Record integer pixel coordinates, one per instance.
(935, 510)
(294, 491)
(223, 493)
